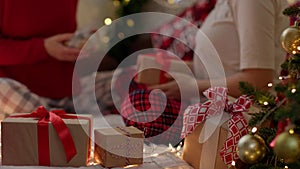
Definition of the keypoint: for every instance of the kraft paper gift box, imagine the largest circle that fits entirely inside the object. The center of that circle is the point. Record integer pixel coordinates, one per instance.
(22, 142)
(151, 68)
(193, 149)
(117, 147)
(212, 129)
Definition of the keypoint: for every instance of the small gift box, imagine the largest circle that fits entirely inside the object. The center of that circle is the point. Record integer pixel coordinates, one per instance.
(212, 130)
(46, 139)
(117, 147)
(152, 67)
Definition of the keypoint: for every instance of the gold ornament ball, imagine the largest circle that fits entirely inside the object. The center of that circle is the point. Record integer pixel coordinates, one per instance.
(290, 39)
(251, 148)
(287, 147)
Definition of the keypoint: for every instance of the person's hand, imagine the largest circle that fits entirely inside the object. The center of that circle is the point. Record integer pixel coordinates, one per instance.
(55, 47)
(181, 85)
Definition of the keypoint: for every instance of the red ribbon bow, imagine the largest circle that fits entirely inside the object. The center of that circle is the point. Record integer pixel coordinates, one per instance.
(55, 118)
(216, 104)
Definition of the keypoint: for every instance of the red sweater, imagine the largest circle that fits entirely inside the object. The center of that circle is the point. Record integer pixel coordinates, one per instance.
(24, 24)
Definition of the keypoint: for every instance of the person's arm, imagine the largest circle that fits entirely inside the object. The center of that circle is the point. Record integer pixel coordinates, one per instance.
(15, 52)
(257, 77)
(30, 51)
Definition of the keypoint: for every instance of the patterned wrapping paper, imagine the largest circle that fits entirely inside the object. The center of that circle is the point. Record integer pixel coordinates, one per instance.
(117, 147)
(214, 127)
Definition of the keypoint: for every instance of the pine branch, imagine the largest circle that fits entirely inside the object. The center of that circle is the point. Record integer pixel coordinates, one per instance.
(291, 11)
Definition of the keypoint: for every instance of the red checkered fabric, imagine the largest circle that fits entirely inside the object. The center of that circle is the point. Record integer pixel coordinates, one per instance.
(161, 120)
(154, 119)
(179, 28)
(15, 97)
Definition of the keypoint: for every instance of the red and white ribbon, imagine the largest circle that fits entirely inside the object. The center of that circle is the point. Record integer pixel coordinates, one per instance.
(218, 103)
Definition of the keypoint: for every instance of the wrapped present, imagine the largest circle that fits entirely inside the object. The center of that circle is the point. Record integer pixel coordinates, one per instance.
(152, 67)
(117, 147)
(212, 130)
(46, 139)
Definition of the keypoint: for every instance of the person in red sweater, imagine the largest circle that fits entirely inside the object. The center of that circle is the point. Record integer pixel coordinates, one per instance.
(36, 68)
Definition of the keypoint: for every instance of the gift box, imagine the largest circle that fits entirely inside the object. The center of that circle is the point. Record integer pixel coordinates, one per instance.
(193, 149)
(117, 147)
(152, 67)
(46, 139)
(212, 130)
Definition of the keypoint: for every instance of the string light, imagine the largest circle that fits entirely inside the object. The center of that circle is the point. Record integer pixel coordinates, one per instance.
(130, 23)
(280, 78)
(298, 47)
(266, 103)
(286, 167)
(126, 1)
(291, 131)
(270, 84)
(254, 130)
(233, 163)
(171, 1)
(116, 3)
(107, 21)
(105, 39)
(293, 90)
(121, 35)
(294, 52)
(154, 155)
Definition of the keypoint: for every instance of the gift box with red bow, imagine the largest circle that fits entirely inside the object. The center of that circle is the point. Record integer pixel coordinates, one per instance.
(43, 138)
(152, 67)
(213, 129)
(120, 146)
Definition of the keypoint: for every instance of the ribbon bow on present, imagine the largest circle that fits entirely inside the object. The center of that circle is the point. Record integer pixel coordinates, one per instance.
(55, 118)
(215, 106)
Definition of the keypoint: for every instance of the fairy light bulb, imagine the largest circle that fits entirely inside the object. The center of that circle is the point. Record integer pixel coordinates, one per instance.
(107, 21)
(265, 103)
(280, 77)
(116, 3)
(293, 90)
(291, 131)
(270, 84)
(254, 130)
(233, 163)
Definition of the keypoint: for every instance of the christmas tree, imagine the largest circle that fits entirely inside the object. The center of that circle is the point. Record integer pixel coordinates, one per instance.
(274, 141)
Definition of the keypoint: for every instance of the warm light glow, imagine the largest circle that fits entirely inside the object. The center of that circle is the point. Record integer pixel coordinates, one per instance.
(107, 21)
(286, 167)
(171, 1)
(294, 52)
(298, 47)
(292, 2)
(280, 78)
(254, 130)
(130, 23)
(266, 103)
(291, 131)
(127, 1)
(116, 3)
(293, 90)
(154, 155)
(270, 84)
(131, 166)
(233, 163)
(121, 35)
(105, 39)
